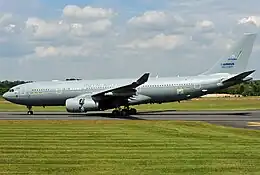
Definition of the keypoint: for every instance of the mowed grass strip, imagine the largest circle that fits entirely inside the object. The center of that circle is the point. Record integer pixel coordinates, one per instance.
(239, 103)
(127, 147)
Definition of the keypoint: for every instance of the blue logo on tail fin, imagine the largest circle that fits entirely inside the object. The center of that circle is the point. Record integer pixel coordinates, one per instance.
(231, 59)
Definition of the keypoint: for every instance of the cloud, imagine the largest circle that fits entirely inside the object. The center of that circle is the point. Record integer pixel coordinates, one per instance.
(150, 19)
(205, 26)
(62, 51)
(255, 20)
(40, 29)
(161, 41)
(76, 22)
(71, 35)
(101, 39)
(92, 28)
(49, 30)
(75, 13)
(155, 20)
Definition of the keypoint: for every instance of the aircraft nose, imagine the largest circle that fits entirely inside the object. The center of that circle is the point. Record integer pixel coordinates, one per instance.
(5, 96)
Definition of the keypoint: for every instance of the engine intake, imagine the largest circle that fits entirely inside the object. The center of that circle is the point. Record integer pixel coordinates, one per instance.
(81, 105)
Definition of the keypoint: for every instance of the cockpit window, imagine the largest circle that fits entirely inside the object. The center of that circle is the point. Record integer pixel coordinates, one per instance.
(11, 90)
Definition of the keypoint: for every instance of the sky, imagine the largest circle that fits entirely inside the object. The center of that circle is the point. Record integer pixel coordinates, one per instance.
(89, 39)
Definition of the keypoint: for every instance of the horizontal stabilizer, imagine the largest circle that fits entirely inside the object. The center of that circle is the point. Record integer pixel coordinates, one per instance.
(239, 77)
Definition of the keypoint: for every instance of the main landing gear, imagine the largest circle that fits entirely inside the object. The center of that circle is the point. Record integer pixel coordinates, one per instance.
(30, 112)
(124, 112)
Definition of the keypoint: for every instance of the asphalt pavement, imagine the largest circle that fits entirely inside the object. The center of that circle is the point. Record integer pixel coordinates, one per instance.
(240, 119)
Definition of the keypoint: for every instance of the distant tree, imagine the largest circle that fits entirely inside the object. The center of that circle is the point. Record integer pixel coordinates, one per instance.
(6, 85)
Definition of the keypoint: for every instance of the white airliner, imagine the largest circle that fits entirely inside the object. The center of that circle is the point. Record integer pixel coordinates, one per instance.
(81, 96)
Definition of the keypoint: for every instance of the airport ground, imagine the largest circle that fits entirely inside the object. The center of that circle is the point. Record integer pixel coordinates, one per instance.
(194, 139)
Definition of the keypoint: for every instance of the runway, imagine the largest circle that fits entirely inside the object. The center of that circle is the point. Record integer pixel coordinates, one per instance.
(240, 119)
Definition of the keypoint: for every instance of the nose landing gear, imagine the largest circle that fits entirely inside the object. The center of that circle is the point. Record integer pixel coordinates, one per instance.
(30, 112)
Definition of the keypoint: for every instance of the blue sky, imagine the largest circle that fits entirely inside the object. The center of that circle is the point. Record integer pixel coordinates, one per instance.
(44, 39)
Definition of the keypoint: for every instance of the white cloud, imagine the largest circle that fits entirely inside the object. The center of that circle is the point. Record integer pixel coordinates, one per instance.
(74, 12)
(74, 23)
(41, 29)
(9, 24)
(91, 28)
(250, 20)
(205, 26)
(161, 41)
(83, 39)
(155, 20)
(62, 51)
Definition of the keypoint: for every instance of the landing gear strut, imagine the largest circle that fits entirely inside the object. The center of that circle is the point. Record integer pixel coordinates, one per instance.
(124, 112)
(30, 112)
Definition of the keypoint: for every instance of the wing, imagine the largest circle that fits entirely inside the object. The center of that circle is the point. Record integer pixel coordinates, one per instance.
(122, 91)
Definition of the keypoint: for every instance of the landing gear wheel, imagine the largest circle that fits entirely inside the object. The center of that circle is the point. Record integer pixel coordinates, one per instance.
(115, 112)
(132, 111)
(124, 112)
(30, 112)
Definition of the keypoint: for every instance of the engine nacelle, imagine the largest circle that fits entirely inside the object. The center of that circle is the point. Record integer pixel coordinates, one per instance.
(81, 105)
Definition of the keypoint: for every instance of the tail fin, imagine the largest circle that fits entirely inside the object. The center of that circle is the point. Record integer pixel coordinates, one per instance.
(237, 58)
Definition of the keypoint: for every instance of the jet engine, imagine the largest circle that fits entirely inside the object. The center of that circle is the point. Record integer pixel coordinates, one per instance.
(81, 105)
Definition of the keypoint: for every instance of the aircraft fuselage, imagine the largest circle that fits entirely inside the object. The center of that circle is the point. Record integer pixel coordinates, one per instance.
(155, 90)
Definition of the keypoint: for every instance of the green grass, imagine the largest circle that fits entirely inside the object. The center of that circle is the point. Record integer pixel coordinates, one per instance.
(242, 103)
(126, 147)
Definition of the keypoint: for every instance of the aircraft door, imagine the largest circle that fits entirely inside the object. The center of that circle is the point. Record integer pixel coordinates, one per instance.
(22, 92)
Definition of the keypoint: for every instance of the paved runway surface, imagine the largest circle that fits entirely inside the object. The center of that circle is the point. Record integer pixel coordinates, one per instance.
(241, 119)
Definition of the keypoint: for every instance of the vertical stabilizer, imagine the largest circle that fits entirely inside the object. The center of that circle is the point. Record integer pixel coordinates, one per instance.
(237, 58)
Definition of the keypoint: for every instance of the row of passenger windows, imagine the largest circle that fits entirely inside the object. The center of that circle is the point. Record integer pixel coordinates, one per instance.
(169, 85)
(105, 87)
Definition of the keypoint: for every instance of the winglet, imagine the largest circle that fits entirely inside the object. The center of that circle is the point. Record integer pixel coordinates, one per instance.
(142, 79)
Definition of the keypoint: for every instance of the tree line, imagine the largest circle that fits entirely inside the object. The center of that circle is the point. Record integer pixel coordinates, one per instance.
(6, 85)
(251, 88)
(246, 89)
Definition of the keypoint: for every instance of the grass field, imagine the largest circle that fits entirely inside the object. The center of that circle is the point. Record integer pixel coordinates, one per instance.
(126, 147)
(242, 103)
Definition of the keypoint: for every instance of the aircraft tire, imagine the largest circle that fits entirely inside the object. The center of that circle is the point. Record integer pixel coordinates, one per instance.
(115, 112)
(132, 111)
(124, 112)
(30, 112)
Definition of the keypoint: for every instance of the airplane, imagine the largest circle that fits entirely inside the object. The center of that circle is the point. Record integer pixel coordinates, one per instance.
(82, 96)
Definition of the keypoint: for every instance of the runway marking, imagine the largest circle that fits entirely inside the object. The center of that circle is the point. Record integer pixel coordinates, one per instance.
(253, 124)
